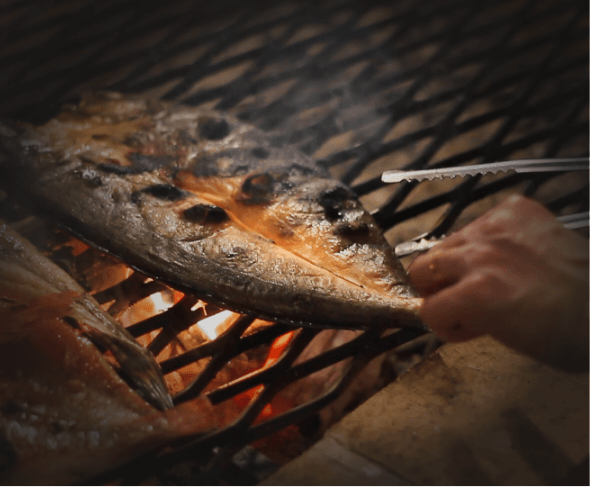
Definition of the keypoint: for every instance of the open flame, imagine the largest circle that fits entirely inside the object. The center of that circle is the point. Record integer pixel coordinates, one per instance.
(209, 328)
(214, 325)
(161, 304)
(278, 405)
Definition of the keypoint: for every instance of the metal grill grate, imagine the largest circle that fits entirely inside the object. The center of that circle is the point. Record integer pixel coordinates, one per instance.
(362, 87)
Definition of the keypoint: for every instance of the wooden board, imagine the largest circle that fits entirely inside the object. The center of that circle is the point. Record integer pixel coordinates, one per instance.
(474, 413)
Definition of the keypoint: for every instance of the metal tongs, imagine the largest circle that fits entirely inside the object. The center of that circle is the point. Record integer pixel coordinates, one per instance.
(421, 243)
(519, 165)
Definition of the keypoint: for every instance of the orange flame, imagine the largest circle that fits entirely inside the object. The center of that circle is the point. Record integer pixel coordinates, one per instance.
(214, 325)
(278, 404)
(159, 303)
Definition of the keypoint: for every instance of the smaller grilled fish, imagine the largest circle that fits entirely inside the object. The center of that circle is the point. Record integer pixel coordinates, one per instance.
(65, 414)
(26, 272)
(207, 204)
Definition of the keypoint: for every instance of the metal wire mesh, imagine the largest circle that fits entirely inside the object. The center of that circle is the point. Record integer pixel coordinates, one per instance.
(243, 392)
(362, 87)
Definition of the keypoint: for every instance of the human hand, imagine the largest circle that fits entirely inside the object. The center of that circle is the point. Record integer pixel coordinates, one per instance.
(516, 274)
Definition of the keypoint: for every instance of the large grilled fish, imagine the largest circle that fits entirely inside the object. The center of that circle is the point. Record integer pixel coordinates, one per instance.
(207, 204)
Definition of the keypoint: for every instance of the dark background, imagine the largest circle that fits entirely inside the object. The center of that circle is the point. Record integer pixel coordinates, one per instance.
(361, 86)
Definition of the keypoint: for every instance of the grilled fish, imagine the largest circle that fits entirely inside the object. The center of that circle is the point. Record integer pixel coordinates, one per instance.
(65, 415)
(206, 203)
(26, 272)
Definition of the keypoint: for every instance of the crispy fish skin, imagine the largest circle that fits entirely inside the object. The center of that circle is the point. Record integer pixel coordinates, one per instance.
(204, 202)
(26, 272)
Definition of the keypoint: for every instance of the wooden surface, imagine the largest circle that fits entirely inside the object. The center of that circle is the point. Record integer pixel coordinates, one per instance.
(474, 413)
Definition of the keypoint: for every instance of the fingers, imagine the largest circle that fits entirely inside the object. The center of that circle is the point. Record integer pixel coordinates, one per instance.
(437, 269)
(526, 207)
(452, 312)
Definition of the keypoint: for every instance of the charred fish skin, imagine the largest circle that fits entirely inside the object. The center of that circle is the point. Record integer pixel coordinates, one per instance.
(205, 203)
